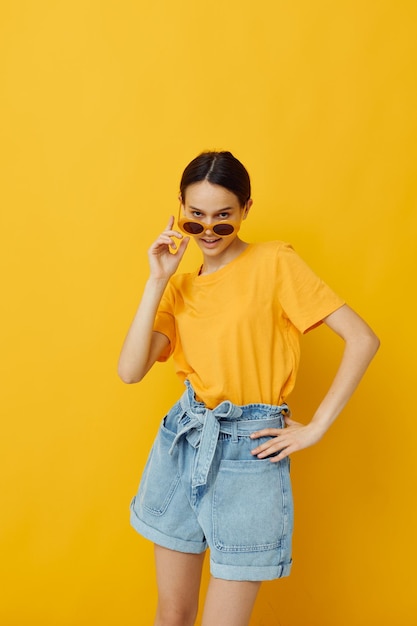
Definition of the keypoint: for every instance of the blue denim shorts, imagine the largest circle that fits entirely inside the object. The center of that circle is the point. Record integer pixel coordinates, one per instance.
(201, 487)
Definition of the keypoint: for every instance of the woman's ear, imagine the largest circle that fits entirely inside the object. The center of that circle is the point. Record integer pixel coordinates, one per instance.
(247, 208)
(180, 200)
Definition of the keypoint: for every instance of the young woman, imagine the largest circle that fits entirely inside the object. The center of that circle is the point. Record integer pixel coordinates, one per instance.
(218, 472)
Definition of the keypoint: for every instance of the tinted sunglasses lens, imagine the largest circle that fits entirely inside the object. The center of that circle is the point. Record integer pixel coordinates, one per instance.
(223, 229)
(192, 228)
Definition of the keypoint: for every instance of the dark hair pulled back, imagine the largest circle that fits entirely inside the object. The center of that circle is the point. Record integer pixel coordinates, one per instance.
(218, 168)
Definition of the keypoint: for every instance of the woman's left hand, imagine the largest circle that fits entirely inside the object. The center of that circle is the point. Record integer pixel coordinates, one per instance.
(284, 441)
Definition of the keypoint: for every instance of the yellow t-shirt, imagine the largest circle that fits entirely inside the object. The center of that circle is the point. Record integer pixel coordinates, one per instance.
(235, 333)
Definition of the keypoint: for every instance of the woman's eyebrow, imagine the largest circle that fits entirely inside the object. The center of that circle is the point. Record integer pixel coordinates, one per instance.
(228, 208)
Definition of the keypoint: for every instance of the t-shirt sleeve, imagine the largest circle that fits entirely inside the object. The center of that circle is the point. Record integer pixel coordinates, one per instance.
(305, 298)
(165, 321)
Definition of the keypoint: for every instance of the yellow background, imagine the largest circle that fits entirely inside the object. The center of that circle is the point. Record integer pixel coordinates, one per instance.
(103, 104)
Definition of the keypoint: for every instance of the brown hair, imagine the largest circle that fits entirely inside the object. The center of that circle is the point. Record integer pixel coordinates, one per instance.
(218, 168)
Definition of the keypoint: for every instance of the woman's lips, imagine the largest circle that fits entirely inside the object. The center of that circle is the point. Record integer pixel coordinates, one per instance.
(210, 242)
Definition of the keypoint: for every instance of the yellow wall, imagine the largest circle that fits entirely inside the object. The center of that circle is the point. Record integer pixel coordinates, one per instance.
(103, 104)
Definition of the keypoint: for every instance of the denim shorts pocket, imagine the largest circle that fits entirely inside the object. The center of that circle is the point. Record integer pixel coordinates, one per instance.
(160, 477)
(252, 505)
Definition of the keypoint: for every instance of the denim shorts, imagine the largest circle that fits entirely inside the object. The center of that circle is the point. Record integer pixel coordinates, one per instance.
(201, 487)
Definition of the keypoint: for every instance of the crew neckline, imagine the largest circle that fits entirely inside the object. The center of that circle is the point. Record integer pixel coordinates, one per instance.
(213, 276)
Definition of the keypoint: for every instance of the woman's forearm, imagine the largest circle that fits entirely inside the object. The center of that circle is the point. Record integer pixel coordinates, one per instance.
(141, 348)
(358, 353)
(361, 344)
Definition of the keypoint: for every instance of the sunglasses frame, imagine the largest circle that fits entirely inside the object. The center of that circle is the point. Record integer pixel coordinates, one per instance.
(182, 220)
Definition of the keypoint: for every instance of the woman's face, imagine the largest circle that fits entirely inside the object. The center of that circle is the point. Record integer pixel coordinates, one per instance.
(212, 204)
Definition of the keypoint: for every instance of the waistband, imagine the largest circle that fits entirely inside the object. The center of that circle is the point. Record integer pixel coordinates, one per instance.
(204, 426)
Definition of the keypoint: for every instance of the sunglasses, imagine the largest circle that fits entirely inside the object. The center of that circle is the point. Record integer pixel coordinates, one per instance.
(196, 227)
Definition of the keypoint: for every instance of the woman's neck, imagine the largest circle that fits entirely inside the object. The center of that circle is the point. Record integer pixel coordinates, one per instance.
(214, 263)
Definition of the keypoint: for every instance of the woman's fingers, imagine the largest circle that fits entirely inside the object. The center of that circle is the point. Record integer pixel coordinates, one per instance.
(284, 441)
(166, 240)
(167, 237)
(271, 446)
(166, 253)
(183, 246)
(170, 231)
(266, 432)
(170, 222)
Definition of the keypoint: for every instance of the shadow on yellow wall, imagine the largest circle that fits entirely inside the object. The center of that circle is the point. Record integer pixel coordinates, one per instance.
(103, 104)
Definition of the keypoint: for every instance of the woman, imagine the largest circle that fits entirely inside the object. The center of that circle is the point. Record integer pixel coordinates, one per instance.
(218, 472)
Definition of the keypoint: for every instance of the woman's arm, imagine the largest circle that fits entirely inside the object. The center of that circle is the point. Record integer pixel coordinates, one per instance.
(143, 345)
(361, 344)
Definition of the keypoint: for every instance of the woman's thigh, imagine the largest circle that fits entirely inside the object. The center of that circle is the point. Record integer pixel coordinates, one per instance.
(178, 578)
(229, 602)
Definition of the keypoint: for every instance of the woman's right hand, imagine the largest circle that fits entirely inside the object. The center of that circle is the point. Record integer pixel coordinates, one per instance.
(163, 262)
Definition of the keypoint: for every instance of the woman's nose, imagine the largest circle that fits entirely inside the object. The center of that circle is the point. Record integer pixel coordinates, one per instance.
(208, 226)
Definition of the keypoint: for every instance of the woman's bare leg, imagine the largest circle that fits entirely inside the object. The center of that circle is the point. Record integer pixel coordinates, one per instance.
(178, 576)
(229, 602)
